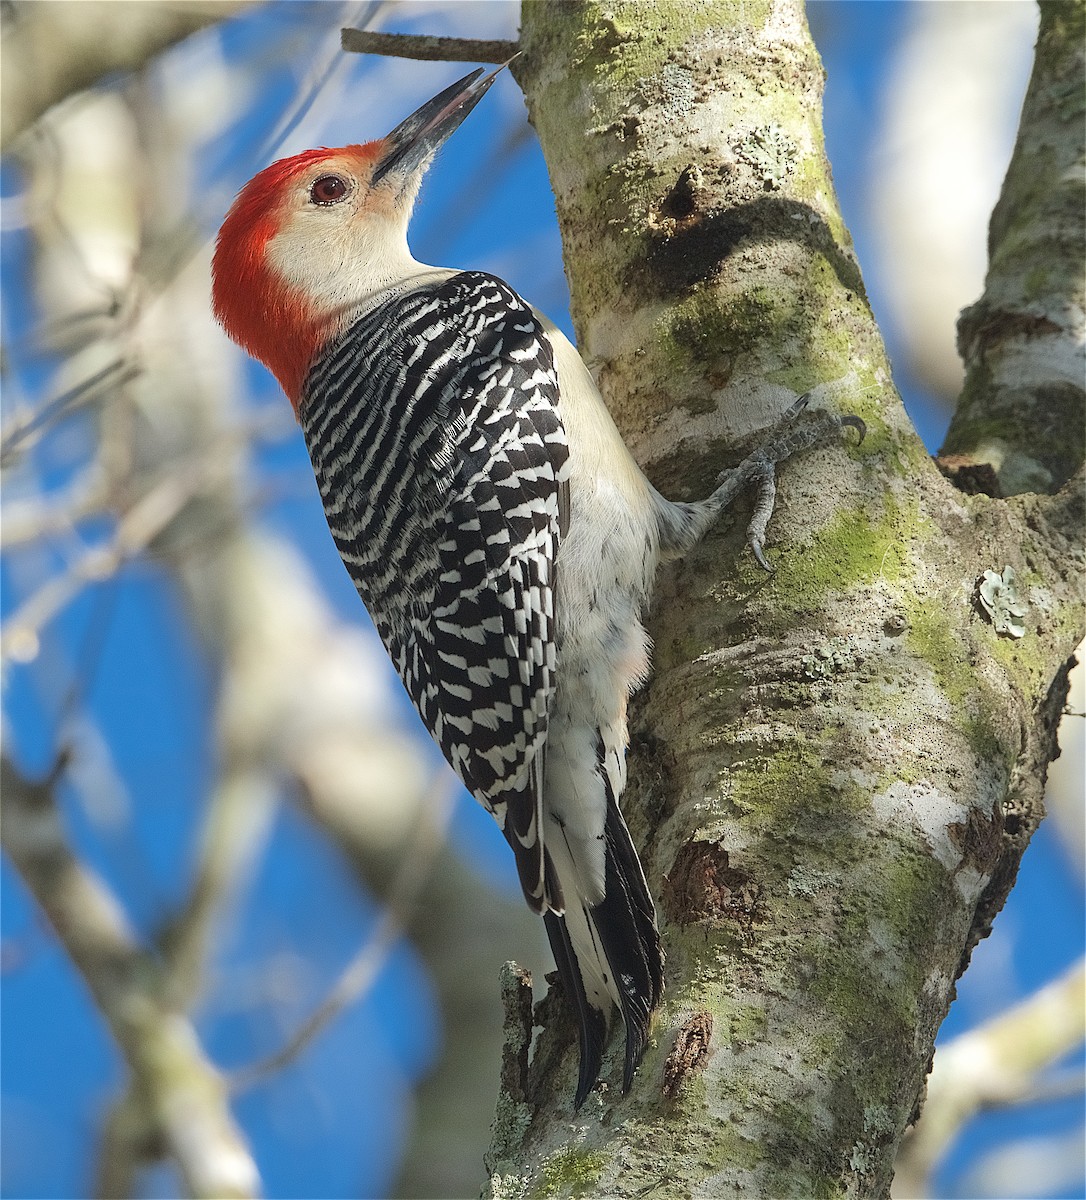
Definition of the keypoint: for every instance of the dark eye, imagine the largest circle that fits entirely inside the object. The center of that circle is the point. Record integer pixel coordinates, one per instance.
(329, 189)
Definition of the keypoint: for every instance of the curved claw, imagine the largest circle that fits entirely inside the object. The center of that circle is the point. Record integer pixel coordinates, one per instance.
(757, 549)
(856, 423)
(796, 407)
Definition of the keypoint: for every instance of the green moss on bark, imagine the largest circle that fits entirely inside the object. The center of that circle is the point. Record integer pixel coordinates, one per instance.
(571, 1171)
(851, 549)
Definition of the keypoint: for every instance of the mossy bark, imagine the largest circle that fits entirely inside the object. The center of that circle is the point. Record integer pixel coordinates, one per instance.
(835, 768)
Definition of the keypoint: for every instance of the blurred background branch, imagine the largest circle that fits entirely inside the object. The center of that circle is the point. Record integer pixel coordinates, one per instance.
(1005, 1061)
(183, 1100)
(52, 51)
(401, 903)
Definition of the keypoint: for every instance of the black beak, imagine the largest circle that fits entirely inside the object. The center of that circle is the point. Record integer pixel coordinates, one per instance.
(415, 141)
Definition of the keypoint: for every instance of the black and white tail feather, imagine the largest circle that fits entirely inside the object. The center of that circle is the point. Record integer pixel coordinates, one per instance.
(608, 953)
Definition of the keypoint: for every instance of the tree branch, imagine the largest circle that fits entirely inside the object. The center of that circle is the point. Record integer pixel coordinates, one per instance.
(103, 382)
(833, 771)
(51, 51)
(182, 1098)
(239, 811)
(1022, 408)
(427, 48)
(363, 971)
(166, 496)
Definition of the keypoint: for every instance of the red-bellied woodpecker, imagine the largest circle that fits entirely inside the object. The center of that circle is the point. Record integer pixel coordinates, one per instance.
(493, 522)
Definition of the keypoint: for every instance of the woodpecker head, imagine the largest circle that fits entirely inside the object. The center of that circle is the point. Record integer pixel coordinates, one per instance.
(311, 236)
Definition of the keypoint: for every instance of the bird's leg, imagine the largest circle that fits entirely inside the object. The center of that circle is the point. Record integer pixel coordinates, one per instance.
(766, 483)
(684, 524)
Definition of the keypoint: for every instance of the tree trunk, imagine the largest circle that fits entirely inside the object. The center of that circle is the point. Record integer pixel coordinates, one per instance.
(835, 768)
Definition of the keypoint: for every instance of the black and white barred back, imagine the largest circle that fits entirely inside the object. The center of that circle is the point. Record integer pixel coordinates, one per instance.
(433, 428)
(438, 446)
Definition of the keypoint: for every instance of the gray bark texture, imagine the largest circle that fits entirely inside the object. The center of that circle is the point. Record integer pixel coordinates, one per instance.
(835, 768)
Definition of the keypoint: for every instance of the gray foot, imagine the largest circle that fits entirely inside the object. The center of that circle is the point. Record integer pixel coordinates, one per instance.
(758, 469)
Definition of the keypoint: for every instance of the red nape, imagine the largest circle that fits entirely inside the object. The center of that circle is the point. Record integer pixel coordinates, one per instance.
(268, 318)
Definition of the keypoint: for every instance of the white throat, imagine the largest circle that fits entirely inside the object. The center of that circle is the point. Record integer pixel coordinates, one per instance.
(356, 267)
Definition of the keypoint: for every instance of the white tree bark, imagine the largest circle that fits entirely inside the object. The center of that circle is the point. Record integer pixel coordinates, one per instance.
(835, 769)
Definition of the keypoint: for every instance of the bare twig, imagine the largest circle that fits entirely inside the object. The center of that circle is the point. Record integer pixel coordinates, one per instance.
(144, 520)
(112, 376)
(318, 78)
(51, 516)
(427, 48)
(183, 1099)
(238, 813)
(364, 969)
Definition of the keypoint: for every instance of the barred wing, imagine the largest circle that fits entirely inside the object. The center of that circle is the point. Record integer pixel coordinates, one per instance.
(437, 445)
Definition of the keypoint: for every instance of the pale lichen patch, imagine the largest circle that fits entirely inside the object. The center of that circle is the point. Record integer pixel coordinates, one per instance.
(927, 810)
(809, 881)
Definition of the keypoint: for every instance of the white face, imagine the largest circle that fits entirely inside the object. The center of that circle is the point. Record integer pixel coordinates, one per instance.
(340, 240)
